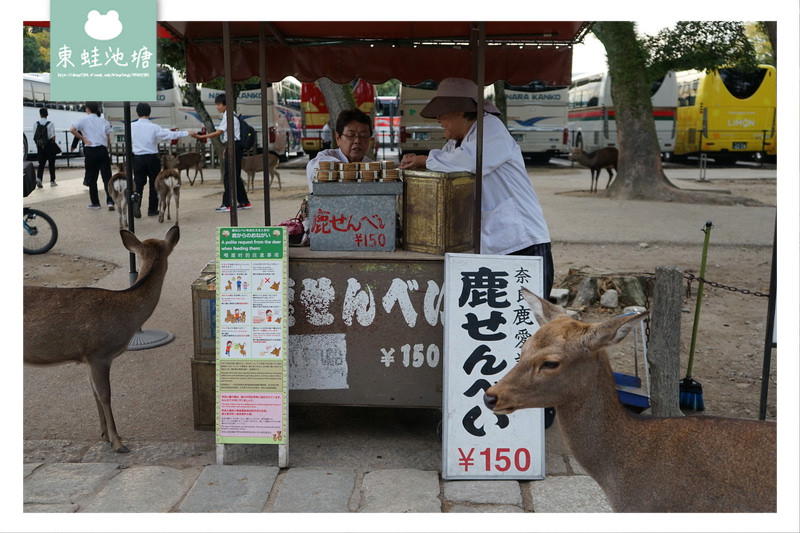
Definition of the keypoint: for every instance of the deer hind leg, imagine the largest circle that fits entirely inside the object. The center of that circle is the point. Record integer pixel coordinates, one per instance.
(177, 195)
(191, 181)
(610, 177)
(100, 378)
(593, 183)
(162, 206)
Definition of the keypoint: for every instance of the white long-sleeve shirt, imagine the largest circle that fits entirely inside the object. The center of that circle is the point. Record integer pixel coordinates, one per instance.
(331, 154)
(511, 216)
(145, 136)
(94, 129)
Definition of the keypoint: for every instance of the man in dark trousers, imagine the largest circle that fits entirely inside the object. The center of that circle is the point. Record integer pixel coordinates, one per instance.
(95, 134)
(46, 148)
(145, 136)
(241, 192)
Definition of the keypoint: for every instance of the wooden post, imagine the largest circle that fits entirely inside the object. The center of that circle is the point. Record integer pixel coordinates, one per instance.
(665, 342)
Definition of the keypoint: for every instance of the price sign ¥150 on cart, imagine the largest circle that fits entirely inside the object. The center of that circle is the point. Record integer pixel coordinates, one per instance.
(252, 336)
(486, 323)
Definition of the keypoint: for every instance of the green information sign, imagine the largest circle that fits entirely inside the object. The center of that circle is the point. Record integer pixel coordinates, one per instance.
(252, 336)
(103, 50)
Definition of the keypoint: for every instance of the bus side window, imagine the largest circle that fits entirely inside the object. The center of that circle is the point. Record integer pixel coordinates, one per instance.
(592, 101)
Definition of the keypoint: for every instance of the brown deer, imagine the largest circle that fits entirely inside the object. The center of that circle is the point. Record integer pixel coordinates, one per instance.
(604, 158)
(93, 325)
(185, 161)
(116, 187)
(168, 186)
(688, 464)
(255, 163)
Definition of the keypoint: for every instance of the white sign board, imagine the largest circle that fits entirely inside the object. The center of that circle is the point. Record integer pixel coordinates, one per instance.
(486, 323)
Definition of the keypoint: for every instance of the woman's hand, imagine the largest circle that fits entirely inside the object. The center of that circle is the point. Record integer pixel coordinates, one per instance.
(412, 161)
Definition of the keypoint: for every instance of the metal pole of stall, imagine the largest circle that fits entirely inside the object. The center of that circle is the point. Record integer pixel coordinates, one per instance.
(230, 103)
(144, 338)
(477, 45)
(262, 55)
(770, 341)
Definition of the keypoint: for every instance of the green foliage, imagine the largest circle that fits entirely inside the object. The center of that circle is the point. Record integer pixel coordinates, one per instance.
(699, 45)
(388, 88)
(35, 58)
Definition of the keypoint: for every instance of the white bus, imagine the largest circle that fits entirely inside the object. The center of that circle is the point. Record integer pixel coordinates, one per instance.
(285, 122)
(170, 111)
(536, 116)
(418, 135)
(36, 94)
(591, 112)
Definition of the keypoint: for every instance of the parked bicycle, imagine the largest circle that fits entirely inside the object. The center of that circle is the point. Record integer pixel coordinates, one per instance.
(39, 230)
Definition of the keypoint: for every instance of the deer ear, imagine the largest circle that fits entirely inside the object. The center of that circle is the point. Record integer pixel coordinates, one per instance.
(129, 240)
(614, 330)
(543, 311)
(172, 237)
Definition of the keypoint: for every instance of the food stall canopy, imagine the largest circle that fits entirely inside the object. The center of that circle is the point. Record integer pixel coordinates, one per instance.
(518, 52)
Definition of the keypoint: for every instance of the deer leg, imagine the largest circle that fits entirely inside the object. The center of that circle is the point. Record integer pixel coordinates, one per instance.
(162, 205)
(177, 195)
(201, 174)
(191, 181)
(100, 376)
(592, 182)
(276, 174)
(610, 176)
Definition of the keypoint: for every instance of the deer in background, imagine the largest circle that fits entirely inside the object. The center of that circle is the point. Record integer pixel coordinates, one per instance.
(688, 464)
(117, 186)
(168, 186)
(255, 163)
(94, 326)
(604, 158)
(185, 161)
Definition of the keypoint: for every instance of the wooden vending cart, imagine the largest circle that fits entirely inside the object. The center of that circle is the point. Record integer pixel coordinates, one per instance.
(377, 313)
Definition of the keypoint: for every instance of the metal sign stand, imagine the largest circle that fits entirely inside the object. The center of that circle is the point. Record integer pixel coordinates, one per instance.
(147, 338)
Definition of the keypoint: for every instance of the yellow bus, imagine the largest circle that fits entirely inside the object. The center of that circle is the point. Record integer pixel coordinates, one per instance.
(727, 113)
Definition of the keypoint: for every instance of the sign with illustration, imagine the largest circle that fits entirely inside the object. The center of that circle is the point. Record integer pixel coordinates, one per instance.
(486, 323)
(252, 335)
(103, 50)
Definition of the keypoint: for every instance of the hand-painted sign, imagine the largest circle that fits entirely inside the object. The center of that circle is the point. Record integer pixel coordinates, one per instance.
(486, 324)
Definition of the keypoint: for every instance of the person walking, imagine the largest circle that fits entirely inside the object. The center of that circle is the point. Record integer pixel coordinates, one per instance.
(145, 136)
(95, 133)
(45, 138)
(222, 129)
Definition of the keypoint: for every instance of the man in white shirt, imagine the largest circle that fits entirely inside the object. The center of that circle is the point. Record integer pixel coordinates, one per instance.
(241, 192)
(95, 133)
(145, 136)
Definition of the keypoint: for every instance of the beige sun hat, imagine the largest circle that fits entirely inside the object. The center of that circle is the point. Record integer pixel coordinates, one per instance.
(456, 94)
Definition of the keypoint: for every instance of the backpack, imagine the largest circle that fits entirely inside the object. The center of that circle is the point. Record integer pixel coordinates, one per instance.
(40, 135)
(247, 134)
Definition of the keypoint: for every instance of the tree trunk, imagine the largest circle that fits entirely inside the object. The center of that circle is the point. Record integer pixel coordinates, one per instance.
(640, 174)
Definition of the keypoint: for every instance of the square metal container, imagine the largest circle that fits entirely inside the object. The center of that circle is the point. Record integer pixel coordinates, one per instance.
(438, 210)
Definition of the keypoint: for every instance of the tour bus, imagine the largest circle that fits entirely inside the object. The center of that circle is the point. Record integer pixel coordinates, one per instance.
(727, 113)
(168, 110)
(536, 116)
(591, 112)
(315, 111)
(36, 94)
(283, 101)
(387, 121)
(418, 135)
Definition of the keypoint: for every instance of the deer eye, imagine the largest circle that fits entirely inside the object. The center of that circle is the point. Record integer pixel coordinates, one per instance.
(550, 364)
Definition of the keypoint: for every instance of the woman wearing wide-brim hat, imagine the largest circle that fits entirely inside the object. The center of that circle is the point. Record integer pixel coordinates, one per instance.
(512, 221)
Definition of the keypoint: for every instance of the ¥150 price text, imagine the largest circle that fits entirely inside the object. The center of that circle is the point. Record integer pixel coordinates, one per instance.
(495, 460)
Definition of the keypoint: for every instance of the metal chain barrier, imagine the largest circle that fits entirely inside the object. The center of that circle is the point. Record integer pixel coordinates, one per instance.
(691, 277)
